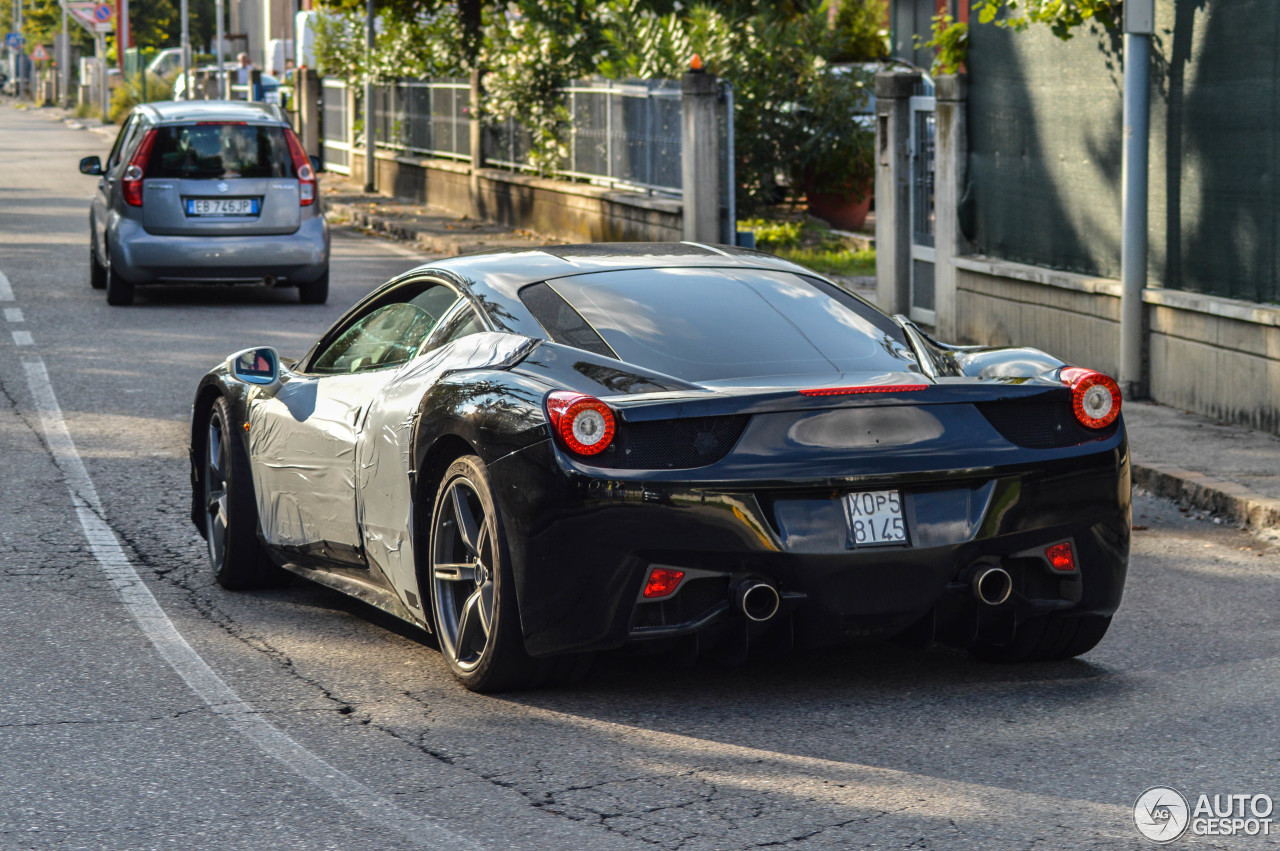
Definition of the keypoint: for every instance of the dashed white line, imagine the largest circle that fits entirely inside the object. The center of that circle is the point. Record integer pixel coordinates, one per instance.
(182, 657)
(13, 314)
(6, 291)
(22, 338)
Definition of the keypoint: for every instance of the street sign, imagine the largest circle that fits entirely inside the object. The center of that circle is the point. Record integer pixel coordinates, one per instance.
(39, 54)
(85, 12)
(102, 13)
(15, 39)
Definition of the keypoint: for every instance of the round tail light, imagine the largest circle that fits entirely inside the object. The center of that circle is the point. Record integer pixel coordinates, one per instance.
(1095, 397)
(584, 424)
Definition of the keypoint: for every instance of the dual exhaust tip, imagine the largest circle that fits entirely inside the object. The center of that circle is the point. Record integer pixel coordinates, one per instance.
(759, 600)
(991, 585)
(756, 599)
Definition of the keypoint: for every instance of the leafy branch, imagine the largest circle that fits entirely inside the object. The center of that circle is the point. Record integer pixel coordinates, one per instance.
(1061, 16)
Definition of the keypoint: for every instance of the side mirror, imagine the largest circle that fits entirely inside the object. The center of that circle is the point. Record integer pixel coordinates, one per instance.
(256, 366)
(91, 165)
(316, 166)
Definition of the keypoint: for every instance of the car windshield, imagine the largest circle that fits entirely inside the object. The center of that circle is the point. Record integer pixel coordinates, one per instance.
(219, 150)
(721, 324)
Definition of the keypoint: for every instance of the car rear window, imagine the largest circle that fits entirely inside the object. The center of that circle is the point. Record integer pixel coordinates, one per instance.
(708, 324)
(219, 150)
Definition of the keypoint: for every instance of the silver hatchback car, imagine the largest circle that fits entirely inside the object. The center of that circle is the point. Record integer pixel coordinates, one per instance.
(207, 191)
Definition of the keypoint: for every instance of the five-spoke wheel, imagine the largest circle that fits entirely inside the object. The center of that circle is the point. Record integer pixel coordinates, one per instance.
(231, 515)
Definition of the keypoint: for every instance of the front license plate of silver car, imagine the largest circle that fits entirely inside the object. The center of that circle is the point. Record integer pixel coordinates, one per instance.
(875, 518)
(222, 206)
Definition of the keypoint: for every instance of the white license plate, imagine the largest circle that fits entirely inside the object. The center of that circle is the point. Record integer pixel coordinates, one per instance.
(222, 206)
(875, 518)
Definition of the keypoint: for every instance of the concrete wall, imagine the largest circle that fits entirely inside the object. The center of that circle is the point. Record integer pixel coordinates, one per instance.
(1215, 356)
(570, 211)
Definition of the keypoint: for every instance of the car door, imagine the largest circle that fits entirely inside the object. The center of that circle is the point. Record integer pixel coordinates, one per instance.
(303, 435)
(100, 207)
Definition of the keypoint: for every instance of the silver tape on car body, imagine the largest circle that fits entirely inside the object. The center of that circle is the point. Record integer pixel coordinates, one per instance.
(384, 504)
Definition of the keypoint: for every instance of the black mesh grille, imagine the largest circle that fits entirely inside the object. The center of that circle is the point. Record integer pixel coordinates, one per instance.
(671, 444)
(1041, 424)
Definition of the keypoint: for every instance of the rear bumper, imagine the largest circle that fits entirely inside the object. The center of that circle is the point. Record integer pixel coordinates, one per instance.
(143, 258)
(582, 547)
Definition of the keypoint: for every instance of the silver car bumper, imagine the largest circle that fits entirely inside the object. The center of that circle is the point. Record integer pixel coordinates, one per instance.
(143, 258)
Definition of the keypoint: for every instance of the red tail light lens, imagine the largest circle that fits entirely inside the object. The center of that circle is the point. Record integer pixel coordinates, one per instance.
(1095, 397)
(302, 165)
(583, 423)
(131, 180)
(663, 582)
(1061, 556)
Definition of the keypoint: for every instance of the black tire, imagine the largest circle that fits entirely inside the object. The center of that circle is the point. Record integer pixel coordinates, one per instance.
(231, 515)
(1048, 638)
(315, 292)
(472, 590)
(119, 291)
(97, 272)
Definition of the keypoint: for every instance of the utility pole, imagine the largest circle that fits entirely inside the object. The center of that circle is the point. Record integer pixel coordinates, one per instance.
(1139, 26)
(369, 161)
(220, 75)
(64, 63)
(186, 51)
(123, 32)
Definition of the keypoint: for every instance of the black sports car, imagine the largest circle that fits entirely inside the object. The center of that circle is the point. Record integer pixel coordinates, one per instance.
(541, 454)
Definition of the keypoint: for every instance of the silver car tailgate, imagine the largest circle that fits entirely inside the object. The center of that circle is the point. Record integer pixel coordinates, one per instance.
(243, 206)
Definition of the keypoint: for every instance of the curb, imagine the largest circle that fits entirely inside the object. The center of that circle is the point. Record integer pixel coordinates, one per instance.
(448, 246)
(1228, 499)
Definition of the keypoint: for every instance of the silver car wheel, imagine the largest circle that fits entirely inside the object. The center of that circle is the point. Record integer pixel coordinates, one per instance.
(462, 573)
(215, 492)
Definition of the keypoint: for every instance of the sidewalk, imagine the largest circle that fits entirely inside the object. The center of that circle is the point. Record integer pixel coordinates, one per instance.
(1230, 471)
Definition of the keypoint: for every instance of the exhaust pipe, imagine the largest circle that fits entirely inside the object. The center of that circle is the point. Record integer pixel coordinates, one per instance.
(758, 600)
(992, 585)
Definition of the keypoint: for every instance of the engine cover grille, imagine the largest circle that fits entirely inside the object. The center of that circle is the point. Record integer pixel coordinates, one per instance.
(1041, 424)
(672, 444)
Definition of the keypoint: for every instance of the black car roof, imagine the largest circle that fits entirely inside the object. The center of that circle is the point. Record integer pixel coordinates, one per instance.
(211, 110)
(496, 277)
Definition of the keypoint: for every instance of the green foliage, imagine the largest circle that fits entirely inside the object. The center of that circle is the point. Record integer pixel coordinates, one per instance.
(808, 242)
(1061, 16)
(129, 94)
(528, 58)
(951, 44)
(858, 32)
(422, 46)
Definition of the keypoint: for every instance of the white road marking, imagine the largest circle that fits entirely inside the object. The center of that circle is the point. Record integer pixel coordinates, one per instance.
(6, 291)
(13, 314)
(182, 657)
(22, 338)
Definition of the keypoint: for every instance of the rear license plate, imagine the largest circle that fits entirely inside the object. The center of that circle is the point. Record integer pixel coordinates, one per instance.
(875, 518)
(222, 206)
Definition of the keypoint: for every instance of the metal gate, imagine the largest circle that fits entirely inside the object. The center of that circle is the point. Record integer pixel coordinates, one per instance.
(335, 124)
(923, 134)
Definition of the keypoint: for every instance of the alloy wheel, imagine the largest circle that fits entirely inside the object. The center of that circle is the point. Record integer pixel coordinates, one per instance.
(215, 492)
(463, 568)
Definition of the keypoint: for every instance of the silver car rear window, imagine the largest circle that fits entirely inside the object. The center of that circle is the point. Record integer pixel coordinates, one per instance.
(219, 150)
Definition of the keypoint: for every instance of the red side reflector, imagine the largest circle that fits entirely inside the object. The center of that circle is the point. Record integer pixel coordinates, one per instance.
(663, 582)
(1061, 556)
(867, 388)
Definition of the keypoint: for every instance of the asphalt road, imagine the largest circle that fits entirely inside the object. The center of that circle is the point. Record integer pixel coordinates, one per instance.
(296, 719)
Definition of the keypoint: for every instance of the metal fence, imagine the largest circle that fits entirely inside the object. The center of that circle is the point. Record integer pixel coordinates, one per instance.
(335, 124)
(621, 134)
(425, 117)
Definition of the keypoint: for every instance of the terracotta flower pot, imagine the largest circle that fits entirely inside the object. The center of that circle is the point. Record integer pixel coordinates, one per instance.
(843, 211)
